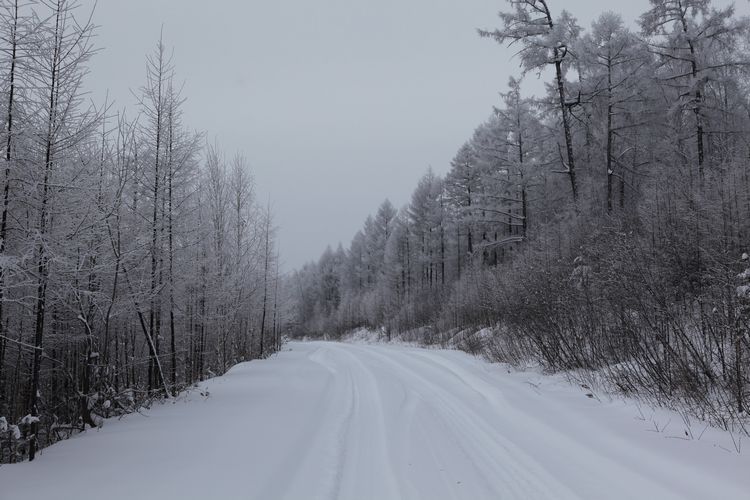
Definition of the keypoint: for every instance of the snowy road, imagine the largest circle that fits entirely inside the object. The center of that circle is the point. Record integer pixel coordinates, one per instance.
(357, 422)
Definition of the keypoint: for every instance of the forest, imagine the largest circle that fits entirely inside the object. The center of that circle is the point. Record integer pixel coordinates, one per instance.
(600, 228)
(135, 255)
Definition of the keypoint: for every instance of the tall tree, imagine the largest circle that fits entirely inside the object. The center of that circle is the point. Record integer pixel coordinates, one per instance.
(614, 65)
(687, 35)
(65, 47)
(544, 41)
(153, 103)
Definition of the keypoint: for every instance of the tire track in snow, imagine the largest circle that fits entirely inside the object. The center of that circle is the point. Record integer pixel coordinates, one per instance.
(521, 476)
(320, 449)
(368, 440)
(343, 422)
(306, 439)
(621, 454)
(601, 473)
(344, 426)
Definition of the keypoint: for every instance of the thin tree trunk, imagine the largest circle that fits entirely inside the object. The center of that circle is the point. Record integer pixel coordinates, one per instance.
(155, 214)
(698, 104)
(570, 167)
(42, 259)
(8, 160)
(265, 283)
(170, 245)
(277, 343)
(141, 319)
(610, 136)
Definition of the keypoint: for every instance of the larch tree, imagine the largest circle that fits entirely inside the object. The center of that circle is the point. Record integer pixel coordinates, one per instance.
(462, 188)
(544, 41)
(64, 46)
(16, 31)
(614, 65)
(686, 35)
(154, 106)
(651, 297)
(124, 275)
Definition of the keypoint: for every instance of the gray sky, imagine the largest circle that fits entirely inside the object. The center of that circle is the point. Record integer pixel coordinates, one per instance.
(337, 104)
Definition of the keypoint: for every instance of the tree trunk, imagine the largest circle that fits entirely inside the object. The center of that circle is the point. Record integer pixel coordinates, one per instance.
(42, 259)
(570, 167)
(8, 160)
(265, 285)
(610, 136)
(153, 312)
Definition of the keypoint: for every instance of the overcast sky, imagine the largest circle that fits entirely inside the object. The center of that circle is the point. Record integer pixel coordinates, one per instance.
(337, 104)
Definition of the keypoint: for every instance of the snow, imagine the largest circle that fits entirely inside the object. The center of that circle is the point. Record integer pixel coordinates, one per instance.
(326, 420)
(365, 336)
(29, 419)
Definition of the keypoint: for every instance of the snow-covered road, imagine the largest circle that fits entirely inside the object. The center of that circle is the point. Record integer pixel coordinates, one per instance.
(357, 422)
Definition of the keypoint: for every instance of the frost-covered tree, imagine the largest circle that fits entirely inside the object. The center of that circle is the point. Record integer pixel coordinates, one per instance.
(129, 257)
(614, 66)
(693, 41)
(640, 283)
(64, 46)
(463, 184)
(544, 40)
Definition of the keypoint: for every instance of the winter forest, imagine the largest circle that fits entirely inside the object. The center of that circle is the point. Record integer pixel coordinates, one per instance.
(602, 226)
(558, 310)
(135, 256)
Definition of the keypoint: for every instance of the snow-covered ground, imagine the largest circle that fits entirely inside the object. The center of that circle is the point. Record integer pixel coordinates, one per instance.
(344, 421)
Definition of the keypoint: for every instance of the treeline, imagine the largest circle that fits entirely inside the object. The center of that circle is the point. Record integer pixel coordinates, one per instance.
(600, 226)
(134, 260)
